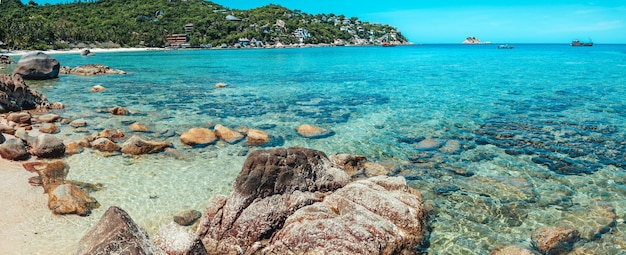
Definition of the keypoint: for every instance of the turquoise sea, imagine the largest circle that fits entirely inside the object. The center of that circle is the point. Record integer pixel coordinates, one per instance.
(541, 130)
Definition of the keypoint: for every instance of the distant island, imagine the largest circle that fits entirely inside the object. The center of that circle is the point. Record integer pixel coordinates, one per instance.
(177, 23)
(474, 40)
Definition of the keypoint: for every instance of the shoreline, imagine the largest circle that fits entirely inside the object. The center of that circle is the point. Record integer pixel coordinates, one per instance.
(78, 51)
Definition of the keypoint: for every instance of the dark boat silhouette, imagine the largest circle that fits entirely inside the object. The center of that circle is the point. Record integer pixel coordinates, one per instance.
(579, 43)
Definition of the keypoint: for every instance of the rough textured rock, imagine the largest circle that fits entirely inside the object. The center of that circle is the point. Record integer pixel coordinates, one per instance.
(137, 146)
(105, 144)
(310, 131)
(257, 137)
(37, 66)
(14, 149)
(116, 233)
(48, 146)
(94, 69)
(350, 163)
(282, 196)
(554, 239)
(6, 60)
(177, 240)
(227, 134)
(70, 199)
(198, 136)
(15, 95)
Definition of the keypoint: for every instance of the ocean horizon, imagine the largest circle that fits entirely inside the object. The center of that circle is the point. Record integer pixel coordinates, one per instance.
(499, 142)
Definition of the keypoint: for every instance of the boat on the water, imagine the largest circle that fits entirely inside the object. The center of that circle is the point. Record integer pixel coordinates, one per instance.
(387, 44)
(579, 43)
(505, 46)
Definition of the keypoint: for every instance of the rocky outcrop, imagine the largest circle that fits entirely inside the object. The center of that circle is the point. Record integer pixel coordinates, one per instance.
(137, 146)
(91, 69)
(297, 201)
(37, 66)
(16, 96)
(6, 60)
(116, 233)
(471, 40)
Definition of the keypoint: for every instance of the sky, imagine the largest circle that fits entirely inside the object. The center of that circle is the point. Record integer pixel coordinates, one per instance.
(451, 21)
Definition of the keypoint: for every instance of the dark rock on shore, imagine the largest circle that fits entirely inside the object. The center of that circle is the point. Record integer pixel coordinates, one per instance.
(14, 149)
(6, 60)
(37, 66)
(16, 96)
(282, 196)
(116, 233)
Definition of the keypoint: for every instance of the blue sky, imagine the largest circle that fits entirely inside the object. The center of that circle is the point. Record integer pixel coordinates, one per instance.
(450, 21)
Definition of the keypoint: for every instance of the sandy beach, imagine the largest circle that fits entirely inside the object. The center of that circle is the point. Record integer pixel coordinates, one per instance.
(27, 226)
(79, 50)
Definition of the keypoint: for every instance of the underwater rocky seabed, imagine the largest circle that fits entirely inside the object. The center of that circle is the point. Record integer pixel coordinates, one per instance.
(539, 145)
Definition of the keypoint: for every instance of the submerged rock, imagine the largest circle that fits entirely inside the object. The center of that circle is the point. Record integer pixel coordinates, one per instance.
(116, 233)
(137, 146)
(51, 174)
(138, 127)
(554, 239)
(310, 131)
(118, 110)
(68, 199)
(104, 144)
(78, 123)
(37, 66)
(198, 136)
(257, 137)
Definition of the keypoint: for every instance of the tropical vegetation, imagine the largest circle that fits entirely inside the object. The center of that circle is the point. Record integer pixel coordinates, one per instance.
(132, 23)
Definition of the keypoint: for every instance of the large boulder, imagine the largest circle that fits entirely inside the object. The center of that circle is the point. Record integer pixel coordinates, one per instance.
(137, 146)
(116, 233)
(15, 96)
(37, 66)
(48, 146)
(282, 197)
(14, 149)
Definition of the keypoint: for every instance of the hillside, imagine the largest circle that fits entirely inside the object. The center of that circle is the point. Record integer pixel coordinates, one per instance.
(128, 23)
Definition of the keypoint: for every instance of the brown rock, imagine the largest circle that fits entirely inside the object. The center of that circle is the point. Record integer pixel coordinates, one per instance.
(16, 96)
(350, 163)
(68, 199)
(198, 136)
(98, 88)
(14, 149)
(116, 233)
(187, 217)
(310, 131)
(174, 239)
(48, 146)
(78, 123)
(117, 110)
(554, 239)
(48, 118)
(138, 127)
(220, 85)
(380, 215)
(73, 148)
(94, 69)
(111, 134)
(510, 250)
(48, 128)
(271, 185)
(4, 129)
(20, 117)
(226, 134)
(104, 144)
(257, 137)
(37, 66)
(51, 174)
(137, 146)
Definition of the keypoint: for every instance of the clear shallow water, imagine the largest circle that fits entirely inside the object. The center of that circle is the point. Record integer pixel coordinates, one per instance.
(541, 127)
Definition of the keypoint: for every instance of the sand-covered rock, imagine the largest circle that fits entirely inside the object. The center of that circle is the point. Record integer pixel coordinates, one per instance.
(198, 137)
(37, 66)
(116, 233)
